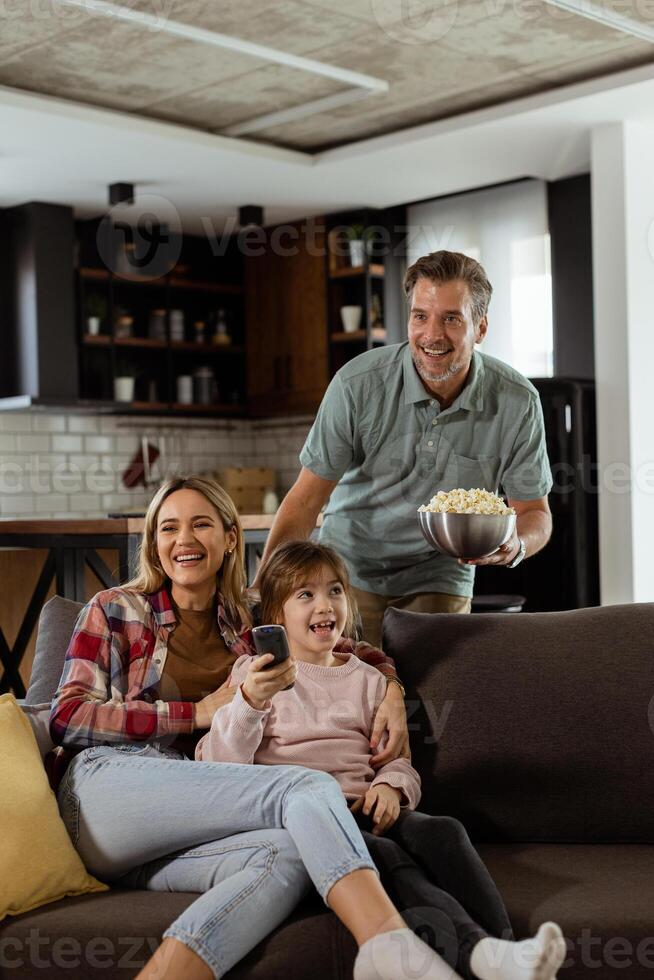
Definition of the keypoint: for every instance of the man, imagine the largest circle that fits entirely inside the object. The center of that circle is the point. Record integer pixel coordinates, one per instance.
(397, 424)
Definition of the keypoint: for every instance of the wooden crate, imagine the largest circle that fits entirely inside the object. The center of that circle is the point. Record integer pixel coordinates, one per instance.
(247, 485)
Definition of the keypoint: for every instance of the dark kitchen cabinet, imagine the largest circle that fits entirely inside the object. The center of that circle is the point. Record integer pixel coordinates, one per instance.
(37, 318)
(286, 334)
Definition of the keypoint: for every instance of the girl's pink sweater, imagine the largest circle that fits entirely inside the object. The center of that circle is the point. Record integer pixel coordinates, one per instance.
(324, 722)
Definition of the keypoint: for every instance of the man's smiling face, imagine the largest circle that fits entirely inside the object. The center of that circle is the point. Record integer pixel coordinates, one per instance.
(442, 334)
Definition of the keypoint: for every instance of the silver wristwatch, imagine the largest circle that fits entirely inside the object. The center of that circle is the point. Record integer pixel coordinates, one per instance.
(519, 557)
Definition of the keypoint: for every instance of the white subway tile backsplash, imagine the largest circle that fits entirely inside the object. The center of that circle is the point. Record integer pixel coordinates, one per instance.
(83, 461)
(127, 444)
(78, 468)
(66, 444)
(17, 505)
(117, 501)
(51, 460)
(49, 423)
(219, 445)
(109, 424)
(196, 444)
(50, 502)
(99, 444)
(15, 422)
(85, 502)
(67, 481)
(83, 423)
(32, 444)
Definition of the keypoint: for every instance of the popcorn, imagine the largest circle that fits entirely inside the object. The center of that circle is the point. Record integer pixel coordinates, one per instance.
(467, 502)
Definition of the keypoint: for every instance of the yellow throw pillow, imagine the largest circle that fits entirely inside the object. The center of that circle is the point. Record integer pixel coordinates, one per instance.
(38, 862)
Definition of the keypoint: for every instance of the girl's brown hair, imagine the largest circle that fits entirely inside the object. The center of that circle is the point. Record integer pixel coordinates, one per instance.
(230, 580)
(290, 566)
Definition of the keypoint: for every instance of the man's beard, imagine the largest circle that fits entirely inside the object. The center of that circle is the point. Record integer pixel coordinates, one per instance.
(445, 374)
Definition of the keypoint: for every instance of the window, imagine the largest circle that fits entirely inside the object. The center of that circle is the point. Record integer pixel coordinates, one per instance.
(505, 228)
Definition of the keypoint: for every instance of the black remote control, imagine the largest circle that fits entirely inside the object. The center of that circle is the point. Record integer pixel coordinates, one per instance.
(272, 639)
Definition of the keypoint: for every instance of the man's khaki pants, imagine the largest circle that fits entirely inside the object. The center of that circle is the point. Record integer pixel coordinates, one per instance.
(372, 608)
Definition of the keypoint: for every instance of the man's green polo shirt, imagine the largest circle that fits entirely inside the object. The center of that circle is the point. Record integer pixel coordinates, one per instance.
(385, 439)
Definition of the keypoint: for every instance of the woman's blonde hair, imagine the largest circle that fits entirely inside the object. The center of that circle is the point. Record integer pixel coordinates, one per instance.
(289, 566)
(230, 580)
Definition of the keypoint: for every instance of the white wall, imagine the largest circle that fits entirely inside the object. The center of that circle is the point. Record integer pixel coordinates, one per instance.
(623, 272)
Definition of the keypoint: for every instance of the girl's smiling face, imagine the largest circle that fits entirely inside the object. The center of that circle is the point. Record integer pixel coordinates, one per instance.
(315, 614)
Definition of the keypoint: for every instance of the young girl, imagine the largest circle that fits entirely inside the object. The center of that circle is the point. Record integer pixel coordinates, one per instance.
(428, 864)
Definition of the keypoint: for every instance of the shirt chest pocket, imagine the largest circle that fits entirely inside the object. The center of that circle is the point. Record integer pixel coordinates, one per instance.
(469, 473)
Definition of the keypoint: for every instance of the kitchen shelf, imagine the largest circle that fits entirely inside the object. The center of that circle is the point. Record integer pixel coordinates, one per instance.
(221, 409)
(202, 287)
(176, 282)
(341, 337)
(206, 348)
(226, 288)
(374, 270)
(148, 406)
(104, 275)
(103, 340)
(149, 342)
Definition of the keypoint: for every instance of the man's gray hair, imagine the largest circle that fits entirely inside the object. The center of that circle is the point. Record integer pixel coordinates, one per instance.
(444, 266)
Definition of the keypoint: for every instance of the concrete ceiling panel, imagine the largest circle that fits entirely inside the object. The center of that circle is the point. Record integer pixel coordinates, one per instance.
(440, 57)
(215, 107)
(289, 25)
(307, 135)
(25, 25)
(118, 65)
(541, 34)
(621, 55)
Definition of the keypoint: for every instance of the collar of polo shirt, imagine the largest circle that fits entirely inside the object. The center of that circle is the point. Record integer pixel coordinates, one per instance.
(471, 398)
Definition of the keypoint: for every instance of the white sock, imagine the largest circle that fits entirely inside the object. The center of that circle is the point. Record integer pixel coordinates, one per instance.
(400, 955)
(532, 959)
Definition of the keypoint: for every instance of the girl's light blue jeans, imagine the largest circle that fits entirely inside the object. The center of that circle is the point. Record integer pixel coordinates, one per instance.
(250, 838)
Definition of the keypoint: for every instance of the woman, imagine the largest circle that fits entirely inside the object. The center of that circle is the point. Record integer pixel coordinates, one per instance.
(142, 674)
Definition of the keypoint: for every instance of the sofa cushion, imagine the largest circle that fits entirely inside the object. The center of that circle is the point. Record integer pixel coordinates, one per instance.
(602, 895)
(56, 623)
(535, 726)
(38, 863)
(38, 716)
(111, 936)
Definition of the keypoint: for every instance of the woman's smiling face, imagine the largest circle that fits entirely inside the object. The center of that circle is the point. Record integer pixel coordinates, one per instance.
(191, 542)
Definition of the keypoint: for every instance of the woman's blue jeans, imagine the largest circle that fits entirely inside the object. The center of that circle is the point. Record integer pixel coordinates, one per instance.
(250, 838)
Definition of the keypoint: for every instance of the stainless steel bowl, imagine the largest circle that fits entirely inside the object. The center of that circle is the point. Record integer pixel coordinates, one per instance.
(466, 535)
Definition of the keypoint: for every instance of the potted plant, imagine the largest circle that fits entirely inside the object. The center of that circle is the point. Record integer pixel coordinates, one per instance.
(357, 244)
(96, 312)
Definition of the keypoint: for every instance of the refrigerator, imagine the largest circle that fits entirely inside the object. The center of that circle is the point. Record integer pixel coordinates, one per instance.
(565, 574)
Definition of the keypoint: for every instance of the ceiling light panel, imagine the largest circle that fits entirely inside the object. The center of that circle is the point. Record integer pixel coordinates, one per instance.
(603, 14)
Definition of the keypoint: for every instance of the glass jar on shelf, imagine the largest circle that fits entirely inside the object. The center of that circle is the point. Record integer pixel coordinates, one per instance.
(221, 335)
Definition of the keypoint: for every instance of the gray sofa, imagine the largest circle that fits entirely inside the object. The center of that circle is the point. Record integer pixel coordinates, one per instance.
(534, 729)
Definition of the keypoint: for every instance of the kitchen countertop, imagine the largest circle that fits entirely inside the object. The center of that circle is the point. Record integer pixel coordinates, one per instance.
(107, 525)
